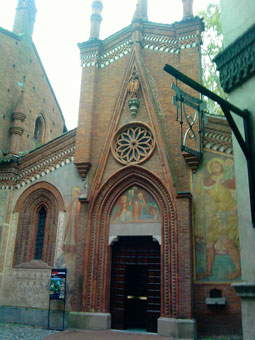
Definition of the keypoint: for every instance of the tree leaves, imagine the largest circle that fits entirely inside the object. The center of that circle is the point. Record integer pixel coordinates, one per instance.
(212, 45)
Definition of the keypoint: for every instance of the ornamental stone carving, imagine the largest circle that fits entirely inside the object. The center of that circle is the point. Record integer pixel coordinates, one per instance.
(18, 116)
(236, 63)
(133, 144)
(16, 130)
(133, 90)
(133, 85)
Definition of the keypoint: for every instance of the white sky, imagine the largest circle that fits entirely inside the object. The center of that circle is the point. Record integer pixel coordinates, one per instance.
(61, 24)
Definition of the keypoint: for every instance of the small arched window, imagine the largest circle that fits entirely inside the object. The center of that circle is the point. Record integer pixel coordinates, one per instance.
(39, 129)
(38, 209)
(42, 214)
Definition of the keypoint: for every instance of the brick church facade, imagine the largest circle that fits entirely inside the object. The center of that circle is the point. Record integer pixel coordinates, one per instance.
(148, 232)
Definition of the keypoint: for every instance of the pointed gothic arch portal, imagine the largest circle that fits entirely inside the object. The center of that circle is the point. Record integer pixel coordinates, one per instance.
(135, 264)
(103, 211)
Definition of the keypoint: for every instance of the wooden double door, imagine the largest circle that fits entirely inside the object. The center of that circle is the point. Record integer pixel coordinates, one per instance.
(135, 283)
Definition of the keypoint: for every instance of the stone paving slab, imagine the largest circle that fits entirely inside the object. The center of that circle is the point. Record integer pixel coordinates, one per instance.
(105, 335)
(12, 331)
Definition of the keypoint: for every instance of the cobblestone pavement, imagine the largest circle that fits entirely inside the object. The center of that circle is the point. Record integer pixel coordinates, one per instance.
(104, 335)
(9, 331)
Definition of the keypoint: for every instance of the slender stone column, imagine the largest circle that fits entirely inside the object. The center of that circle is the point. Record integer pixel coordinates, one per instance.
(141, 11)
(96, 19)
(187, 9)
(88, 89)
(25, 18)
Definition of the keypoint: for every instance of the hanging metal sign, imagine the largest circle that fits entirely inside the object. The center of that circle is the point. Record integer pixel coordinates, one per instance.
(190, 116)
(244, 141)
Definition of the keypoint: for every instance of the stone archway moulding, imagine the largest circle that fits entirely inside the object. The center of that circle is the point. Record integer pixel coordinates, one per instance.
(36, 196)
(96, 290)
(40, 186)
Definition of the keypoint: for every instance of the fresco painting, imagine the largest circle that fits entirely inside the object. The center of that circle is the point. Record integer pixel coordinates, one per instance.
(67, 259)
(3, 199)
(135, 206)
(216, 231)
(73, 209)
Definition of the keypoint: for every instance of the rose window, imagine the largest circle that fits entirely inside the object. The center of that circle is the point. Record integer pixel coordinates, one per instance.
(133, 144)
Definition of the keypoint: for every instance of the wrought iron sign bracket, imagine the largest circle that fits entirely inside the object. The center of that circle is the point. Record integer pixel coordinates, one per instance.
(245, 142)
(191, 125)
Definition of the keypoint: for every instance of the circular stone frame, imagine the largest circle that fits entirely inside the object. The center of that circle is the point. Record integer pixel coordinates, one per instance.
(133, 143)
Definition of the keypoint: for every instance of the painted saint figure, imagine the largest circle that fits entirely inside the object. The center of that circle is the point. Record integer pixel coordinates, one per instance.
(70, 236)
(223, 260)
(123, 212)
(135, 206)
(142, 209)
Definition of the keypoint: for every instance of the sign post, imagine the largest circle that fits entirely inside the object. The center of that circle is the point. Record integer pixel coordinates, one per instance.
(57, 292)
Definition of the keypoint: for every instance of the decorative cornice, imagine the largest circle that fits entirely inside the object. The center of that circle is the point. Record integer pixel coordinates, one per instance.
(39, 163)
(102, 53)
(90, 57)
(18, 116)
(83, 169)
(216, 140)
(16, 130)
(172, 45)
(10, 34)
(10, 158)
(236, 63)
(192, 161)
(93, 58)
(113, 54)
(217, 136)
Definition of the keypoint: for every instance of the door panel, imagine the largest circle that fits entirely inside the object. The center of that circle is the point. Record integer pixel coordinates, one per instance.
(135, 283)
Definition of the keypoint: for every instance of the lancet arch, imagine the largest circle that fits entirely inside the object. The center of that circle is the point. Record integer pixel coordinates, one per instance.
(97, 253)
(38, 209)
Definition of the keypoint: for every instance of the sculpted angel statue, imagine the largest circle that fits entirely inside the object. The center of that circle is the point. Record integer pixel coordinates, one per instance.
(133, 85)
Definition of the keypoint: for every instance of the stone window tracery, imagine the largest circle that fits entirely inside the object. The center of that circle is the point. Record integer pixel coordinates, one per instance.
(133, 144)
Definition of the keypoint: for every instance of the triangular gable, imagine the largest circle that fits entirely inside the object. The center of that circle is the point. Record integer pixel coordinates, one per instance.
(122, 116)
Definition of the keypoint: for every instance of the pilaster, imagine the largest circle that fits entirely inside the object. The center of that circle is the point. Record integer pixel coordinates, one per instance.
(185, 250)
(89, 51)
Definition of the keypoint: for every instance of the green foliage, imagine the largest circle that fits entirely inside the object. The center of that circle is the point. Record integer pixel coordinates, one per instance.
(212, 45)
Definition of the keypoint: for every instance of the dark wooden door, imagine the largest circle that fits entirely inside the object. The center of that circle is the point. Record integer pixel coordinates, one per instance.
(136, 280)
(135, 283)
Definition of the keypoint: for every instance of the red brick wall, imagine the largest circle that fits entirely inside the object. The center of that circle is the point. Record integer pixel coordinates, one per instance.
(103, 99)
(19, 60)
(217, 320)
